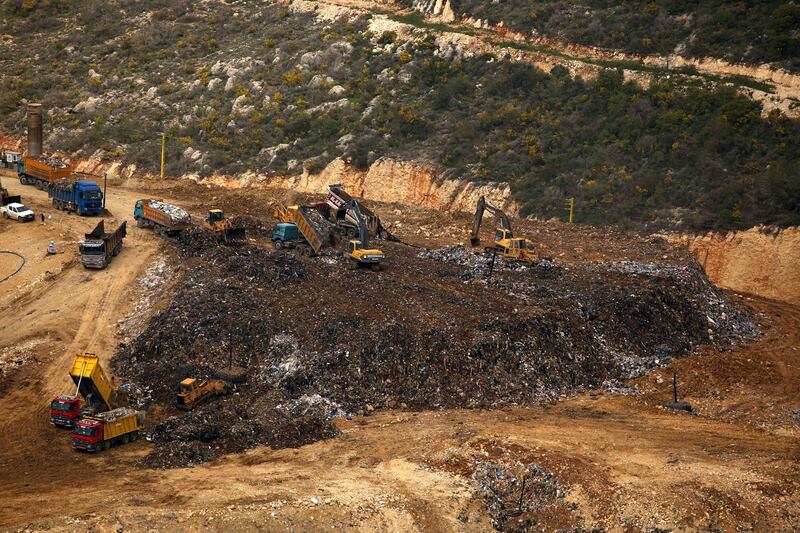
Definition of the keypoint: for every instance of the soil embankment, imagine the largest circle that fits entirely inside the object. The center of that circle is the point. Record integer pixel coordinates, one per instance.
(760, 261)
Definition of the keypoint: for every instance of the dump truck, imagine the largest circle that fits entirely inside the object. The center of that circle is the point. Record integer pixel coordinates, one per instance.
(42, 171)
(83, 197)
(223, 227)
(165, 218)
(517, 248)
(307, 238)
(98, 432)
(193, 391)
(359, 250)
(92, 384)
(98, 248)
(9, 158)
(341, 213)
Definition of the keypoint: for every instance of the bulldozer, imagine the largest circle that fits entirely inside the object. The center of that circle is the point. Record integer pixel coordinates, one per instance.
(223, 227)
(6, 198)
(193, 391)
(359, 250)
(515, 248)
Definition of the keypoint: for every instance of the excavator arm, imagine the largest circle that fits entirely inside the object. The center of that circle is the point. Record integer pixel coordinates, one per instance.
(363, 233)
(482, 206)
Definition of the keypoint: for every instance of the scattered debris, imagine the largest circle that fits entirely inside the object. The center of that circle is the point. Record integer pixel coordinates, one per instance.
(523, 499)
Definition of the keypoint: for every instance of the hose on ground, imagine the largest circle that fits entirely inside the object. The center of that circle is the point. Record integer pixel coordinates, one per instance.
(18, 268)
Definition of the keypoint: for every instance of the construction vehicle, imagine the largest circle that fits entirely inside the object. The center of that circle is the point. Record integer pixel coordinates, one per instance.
(100, 247)
(193, 391)
(340, 212)
(6, 198)
(9, 158)
(223, 227)
(165, 218)
(92, 383)
(98, 432)
(83, 197)
(42, 171)
(359, 250)
(296, 229)
(517, 248)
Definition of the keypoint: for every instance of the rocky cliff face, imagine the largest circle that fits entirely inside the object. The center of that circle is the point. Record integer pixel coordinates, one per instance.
(388, 180)
(761, 261)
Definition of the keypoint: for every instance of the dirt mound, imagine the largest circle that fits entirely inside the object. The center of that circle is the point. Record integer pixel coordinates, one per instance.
(319, 338)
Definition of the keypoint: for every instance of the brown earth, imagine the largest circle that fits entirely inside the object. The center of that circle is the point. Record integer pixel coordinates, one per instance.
(629, 464)
(760, 261)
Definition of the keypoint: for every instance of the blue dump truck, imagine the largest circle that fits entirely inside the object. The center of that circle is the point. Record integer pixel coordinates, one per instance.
(83, 197)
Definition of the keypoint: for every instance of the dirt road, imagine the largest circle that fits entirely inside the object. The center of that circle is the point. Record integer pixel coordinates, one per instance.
(628, 463)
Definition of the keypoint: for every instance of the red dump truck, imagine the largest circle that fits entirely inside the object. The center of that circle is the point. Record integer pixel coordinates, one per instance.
(166, 218)
(100, 247)
(42, 171)
(98, 432)
(92, 383)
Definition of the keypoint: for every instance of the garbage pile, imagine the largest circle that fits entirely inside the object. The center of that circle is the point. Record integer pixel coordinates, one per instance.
(233, 425)
(527, 498)
(318, 339)
(176, 214)
(53, 162)
(478, 265)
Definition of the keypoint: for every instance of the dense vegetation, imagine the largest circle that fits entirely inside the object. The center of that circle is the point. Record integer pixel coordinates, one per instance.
(745, 31)
(249, 86)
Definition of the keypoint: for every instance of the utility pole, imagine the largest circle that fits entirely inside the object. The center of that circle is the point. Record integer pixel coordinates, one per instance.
(571, 207)
(163, 150)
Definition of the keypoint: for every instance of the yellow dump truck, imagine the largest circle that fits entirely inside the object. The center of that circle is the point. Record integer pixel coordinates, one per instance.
(92, 384)
(99, 432)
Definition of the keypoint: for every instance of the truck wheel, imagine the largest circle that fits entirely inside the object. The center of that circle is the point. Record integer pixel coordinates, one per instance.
(106, 444)
(126, 438)
(278, 244)
(376, 267)
(134, 436)
(139, 223)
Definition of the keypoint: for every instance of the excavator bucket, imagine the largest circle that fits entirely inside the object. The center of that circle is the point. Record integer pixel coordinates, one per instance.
(475, 241)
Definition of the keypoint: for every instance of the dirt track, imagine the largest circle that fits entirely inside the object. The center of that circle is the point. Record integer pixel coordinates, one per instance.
(629, 463)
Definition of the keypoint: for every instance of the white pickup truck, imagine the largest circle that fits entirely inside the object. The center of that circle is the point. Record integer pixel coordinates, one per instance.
(17, 211)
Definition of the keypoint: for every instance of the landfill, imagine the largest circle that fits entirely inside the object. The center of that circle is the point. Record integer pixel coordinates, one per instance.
(318, 339)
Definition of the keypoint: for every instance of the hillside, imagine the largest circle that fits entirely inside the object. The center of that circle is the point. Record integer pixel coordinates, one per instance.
(739, 32)
(273, 89)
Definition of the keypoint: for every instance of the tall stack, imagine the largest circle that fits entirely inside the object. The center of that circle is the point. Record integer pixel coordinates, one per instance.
(34, 129)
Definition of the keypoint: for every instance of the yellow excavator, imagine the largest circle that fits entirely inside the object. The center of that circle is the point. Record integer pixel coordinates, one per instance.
(511, 247)
(223, 227)
(359, 250)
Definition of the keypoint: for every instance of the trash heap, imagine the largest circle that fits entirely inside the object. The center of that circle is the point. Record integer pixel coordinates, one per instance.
(526, 498)
(478, 265)
(318, 339)
(176, 214)
(51, 161)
